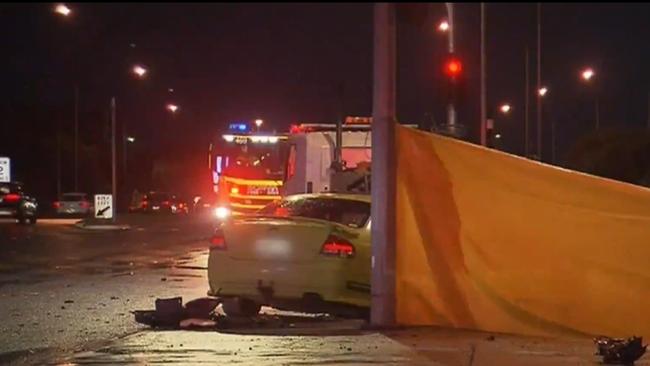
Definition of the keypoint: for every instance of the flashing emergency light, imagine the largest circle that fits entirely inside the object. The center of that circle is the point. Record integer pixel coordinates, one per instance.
(240, 127)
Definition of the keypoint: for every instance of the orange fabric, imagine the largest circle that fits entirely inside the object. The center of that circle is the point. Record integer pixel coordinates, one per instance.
(495, 242)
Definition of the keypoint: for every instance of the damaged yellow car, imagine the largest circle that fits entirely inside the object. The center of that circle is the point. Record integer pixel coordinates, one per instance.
(305, 252)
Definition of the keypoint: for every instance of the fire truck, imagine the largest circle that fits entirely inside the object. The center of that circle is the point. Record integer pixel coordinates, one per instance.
(247, 169)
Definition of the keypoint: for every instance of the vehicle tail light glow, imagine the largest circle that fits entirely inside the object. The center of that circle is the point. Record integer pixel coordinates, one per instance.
(336, 246)
(57, 204)
(12, 197)
(218, 241)
(166, 203)
(84, 204)
(145, 203)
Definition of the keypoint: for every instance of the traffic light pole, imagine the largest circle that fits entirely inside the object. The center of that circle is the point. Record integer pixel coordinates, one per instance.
(383, 169)
(483, 123)
(113, 158)
(451, 110)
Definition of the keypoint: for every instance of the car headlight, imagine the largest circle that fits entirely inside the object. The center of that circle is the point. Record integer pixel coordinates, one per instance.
(222, 213)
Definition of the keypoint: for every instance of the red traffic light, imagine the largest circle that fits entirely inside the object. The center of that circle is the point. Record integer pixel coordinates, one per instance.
(453, 67)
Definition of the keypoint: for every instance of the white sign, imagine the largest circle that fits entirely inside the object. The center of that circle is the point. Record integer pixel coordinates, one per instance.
(104, 206)
(5, 170)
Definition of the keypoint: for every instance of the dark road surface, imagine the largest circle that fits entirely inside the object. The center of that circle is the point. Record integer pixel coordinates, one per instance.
(62, 287)
(66, 295)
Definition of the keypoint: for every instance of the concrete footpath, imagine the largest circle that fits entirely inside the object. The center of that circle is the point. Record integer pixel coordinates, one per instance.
(414, 346)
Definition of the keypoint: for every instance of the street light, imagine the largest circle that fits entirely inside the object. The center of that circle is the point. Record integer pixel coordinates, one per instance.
(140, 71)
(443, 26)
(542, 91)
(130, 139)
(172, 107)
(62, 9)
(587, 74)
(505, 108)
(259, 123)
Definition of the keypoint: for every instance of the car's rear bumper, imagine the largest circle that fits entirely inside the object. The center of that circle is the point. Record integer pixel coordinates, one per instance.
(8, 212)
(272, 282)
(72, 211)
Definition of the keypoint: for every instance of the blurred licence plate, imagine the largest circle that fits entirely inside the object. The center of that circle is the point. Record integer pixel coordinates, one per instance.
(263, 191)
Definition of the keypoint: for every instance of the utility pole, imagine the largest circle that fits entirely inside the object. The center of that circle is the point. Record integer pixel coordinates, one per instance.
(451, 110)
(76, 138)
(483, 79)
(648, 122)
(539, 81)
(58, 160)
(113, 158)
(597, 112)
(383, 168)
(526, 106)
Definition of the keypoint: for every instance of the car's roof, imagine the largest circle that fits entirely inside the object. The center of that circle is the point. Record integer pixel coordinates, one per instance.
(343, 196)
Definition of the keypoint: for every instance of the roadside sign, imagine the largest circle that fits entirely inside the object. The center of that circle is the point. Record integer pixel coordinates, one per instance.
(5, 170)
(104, 206)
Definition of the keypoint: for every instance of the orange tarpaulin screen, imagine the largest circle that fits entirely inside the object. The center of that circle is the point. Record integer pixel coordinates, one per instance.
(491, 241)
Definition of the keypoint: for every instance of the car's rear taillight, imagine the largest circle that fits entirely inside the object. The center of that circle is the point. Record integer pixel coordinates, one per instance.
(84, 204)
(57, 204)
(12, 198)
(218, 241)
(145, 203)
(336, 246)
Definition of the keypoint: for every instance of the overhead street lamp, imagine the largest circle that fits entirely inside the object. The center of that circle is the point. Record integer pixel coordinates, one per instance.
(443, 26)
(542, 91)
(172, 107)
(505, 108)
(259, 123)
(62, 9)
(140, 71)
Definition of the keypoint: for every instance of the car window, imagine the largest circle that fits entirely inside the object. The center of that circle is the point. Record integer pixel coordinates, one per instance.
(343, 211)
(73, 197)
(158, 197)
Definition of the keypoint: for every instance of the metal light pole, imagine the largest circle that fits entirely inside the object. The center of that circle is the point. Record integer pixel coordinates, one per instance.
(526, 107)
(113, 158)
(586, 75)
(58, 160)
(451, 110)
(539, 81)
(76, 138)
(483, 79)
(597, 112)
(383, 168)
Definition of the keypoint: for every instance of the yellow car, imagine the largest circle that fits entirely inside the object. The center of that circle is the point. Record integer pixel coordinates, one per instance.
(305, 252)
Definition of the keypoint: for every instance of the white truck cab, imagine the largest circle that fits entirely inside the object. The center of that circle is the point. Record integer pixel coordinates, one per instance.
(311, 153)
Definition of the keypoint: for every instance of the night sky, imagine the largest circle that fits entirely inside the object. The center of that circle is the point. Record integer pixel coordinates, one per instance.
(285, 63)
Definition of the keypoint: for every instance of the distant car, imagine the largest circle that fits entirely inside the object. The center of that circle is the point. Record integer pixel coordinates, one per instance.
(162, 202)
(299, 253)
(73, 204)
(14, 203)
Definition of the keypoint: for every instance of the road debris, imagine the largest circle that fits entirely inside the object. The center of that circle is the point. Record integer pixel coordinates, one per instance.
(619, 351)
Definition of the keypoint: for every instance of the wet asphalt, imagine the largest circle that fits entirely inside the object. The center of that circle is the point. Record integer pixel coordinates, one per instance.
(66, 297)
(63, 289)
